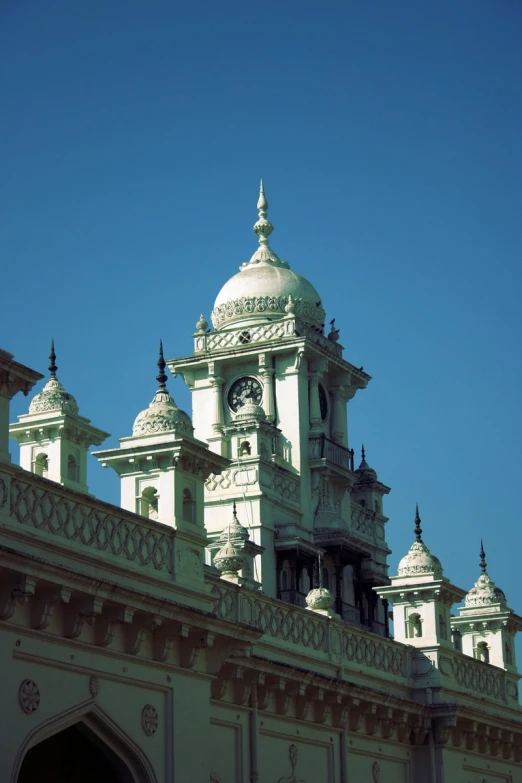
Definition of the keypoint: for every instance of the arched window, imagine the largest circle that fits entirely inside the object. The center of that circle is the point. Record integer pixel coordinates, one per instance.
(189, 506)
(41, 465)
(244, 449)
(509, 654)
(285, 577)
(414, 626)
(483, 652)
(443, 627)
(149, 503)
(377, 506)
(72, 468)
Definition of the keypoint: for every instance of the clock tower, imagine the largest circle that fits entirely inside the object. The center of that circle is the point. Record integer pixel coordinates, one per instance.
(270, 393)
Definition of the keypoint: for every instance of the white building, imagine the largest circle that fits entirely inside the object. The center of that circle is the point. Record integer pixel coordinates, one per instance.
(230, 621)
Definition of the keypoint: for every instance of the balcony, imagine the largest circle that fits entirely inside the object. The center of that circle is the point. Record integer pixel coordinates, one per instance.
(322, 448)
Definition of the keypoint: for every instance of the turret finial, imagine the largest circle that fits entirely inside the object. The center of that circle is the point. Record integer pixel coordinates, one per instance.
(52, 360)
(234, 512)
(263, 226)
(483, 563)
(363, 453)
(418, 529)
(161, 376)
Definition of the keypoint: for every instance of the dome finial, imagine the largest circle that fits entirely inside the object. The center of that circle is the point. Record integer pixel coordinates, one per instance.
(363, 453)
(161, 377)
(418, 529)
(52, 359)
(263, 227)
(483, 563)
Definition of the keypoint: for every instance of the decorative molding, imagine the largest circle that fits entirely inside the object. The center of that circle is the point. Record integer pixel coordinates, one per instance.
(29, 696)
(149, 720)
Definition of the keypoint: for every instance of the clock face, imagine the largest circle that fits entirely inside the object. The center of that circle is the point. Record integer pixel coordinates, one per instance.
(244, 390)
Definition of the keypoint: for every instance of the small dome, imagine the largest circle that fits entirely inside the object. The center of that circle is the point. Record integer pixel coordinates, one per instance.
(365, 474)
(53, 397)
(162, 415)
(320, 598)
(485, 593)
(265, 287)
(250, 410)
(419, 562)
(235, 531)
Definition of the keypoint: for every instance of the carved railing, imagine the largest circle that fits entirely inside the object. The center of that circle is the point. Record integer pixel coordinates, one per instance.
(91, 527)
(271, 330)
(321, 447)
(326, 638)
(478, 677)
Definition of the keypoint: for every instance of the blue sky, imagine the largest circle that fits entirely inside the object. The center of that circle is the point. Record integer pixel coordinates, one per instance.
(134, 135)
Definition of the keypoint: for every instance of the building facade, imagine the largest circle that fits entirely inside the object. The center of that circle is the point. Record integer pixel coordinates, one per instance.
(229, 622)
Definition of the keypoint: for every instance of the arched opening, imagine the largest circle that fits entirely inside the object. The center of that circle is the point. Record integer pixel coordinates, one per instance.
(41, 465)
(414, 626)
(72, 468)
(483, 652)
(325, 577)
(189, 506)
(245, 449)
(74, 755)
(149, 503)
(443, 627)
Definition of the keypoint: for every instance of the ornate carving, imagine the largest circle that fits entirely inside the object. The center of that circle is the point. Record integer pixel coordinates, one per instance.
(84, 524)
(29, 696)
(293, 755)
(149, 720)
(94, 686)
(376, 772)
(272, 305)
(53, 397)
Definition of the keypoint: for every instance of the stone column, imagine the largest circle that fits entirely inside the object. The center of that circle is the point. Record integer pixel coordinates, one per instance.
(315, 407)
(217, 393)
(337, 430)
(267, 375)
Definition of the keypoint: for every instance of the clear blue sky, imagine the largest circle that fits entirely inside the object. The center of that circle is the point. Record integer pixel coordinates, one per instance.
(388, 134)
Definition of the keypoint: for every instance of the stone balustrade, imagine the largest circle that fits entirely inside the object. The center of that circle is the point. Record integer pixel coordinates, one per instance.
(320, 637)
(45, 511)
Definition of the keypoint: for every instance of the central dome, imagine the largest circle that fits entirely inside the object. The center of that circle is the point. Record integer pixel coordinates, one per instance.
(266, 288)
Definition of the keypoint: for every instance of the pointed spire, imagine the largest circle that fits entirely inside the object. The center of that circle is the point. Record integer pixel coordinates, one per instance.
(52, 360)
(263, 226)
(234, 511)
(161, 376)
(363, 453)
(262, 203)
(418, 529)
(483, 563)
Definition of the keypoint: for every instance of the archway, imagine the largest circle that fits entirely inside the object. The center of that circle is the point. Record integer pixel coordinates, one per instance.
(82, 745)
(74, 755)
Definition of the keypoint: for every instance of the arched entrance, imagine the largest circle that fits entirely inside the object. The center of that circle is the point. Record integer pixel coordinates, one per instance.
(82, 745)
(74, 755)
